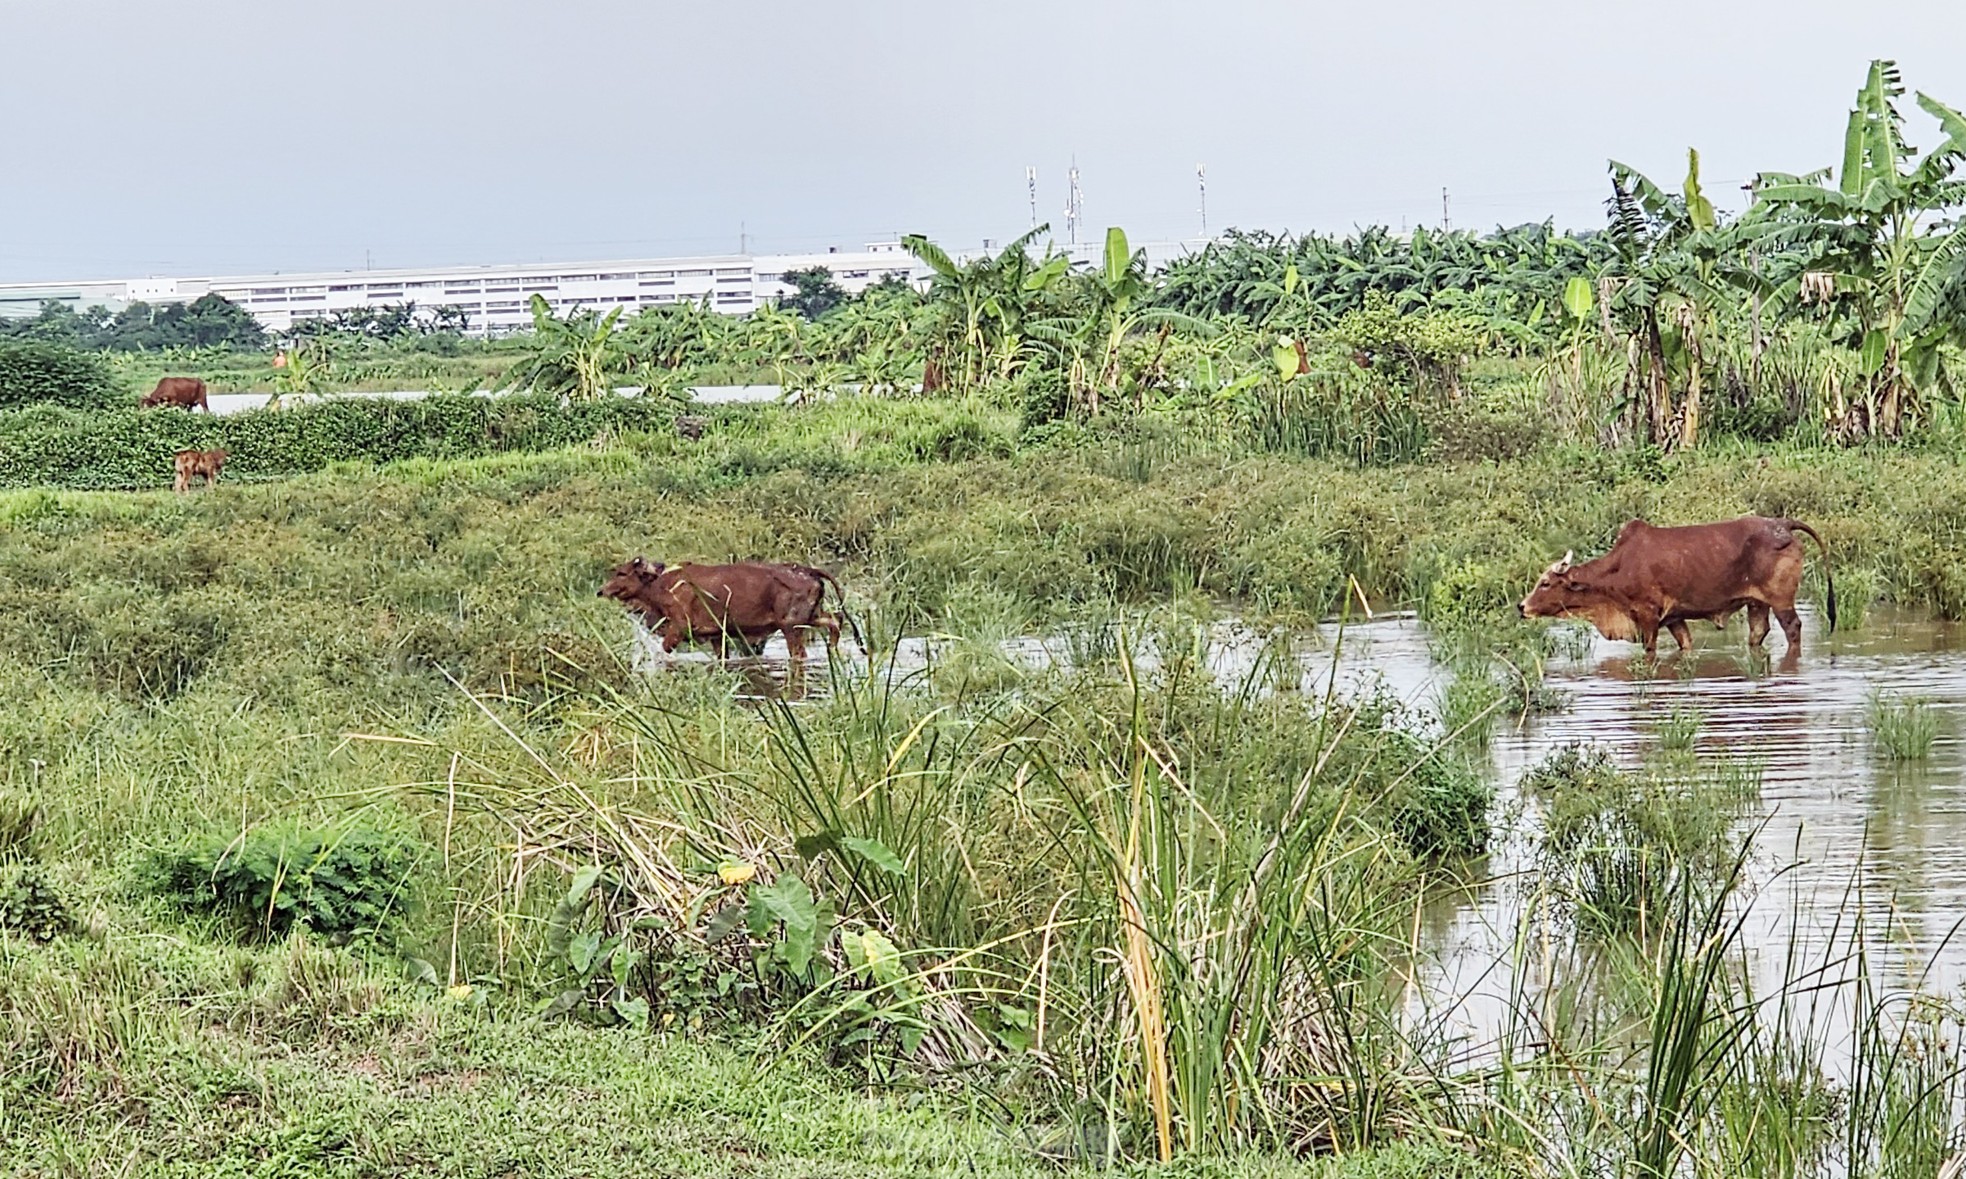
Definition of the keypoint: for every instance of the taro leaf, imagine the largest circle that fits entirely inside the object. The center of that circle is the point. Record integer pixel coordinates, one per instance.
(871, 951)
(563, 1002)
(810, 846)
(581, 951)
(420, 970)
(634, 1011)
(787, 899)
(583, 883)
(874, 852)
(723, 923)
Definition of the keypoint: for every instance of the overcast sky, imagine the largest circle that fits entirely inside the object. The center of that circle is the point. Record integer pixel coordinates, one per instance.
(248, 135)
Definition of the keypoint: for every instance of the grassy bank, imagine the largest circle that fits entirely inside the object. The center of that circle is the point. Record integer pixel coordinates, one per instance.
(1092, 904)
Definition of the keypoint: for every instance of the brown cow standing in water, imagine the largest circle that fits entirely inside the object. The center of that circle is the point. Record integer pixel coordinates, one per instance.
(187, 392)
(196, 464)
(1662, 577)
(748, 601)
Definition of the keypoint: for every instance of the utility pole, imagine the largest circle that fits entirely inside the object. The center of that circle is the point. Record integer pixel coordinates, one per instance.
(743, 239)
(1031, 184)
(1201, 183)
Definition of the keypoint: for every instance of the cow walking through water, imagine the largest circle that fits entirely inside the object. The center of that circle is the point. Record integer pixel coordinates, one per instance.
(1657, 577)
(748, 601)
(187, 393)
(197, 464)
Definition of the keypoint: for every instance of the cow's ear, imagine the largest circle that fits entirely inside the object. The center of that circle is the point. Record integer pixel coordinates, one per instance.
(639, 564)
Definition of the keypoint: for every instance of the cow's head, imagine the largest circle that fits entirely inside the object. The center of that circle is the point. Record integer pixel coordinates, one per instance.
(1557, 593)
(631, 579)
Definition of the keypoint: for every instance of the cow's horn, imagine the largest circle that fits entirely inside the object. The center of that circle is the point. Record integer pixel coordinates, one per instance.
(1567, 554)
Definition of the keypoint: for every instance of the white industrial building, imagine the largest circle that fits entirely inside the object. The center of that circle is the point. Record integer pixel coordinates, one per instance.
(497, 299)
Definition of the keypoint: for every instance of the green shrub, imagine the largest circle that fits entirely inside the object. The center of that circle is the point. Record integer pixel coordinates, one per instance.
(29, 904)
(339, 882)
(32, 372)
(125, 448)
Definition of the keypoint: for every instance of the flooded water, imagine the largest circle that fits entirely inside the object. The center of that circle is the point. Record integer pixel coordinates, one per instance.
(1833, 814)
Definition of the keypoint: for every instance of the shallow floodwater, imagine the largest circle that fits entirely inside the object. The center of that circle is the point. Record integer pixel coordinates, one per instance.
(1837, 822)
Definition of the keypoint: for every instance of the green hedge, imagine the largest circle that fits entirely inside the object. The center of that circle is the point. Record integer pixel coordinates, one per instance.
(128, 448)
(35, 372)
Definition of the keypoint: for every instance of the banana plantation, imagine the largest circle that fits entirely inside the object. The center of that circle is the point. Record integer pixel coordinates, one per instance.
(1829, 310)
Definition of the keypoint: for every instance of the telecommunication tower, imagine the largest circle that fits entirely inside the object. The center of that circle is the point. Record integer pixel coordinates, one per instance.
(1031, 184)
(1074, 204)
(1201, 183)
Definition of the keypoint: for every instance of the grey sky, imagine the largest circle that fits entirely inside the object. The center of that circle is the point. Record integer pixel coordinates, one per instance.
(266, 134)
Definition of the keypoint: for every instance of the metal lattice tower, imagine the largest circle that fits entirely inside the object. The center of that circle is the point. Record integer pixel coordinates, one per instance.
(1074, 204)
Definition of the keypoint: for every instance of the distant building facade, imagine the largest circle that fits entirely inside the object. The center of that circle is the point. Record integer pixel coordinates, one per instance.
(496, 300)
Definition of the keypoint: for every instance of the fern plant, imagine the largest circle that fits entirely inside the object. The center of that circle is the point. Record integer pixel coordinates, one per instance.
(339, 882)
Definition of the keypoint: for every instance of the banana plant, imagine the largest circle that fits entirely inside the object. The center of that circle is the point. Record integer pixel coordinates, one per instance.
(1886, 265)
(576, 358)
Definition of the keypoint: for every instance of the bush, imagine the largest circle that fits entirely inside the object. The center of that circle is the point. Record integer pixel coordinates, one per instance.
(339, 882)
(50, 447)
(33, 372)
(29, 904)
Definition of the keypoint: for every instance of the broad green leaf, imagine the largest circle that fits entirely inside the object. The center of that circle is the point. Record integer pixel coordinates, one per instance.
(1578, 299)
(788, 900)
(1285, 357)
(1289, 280)
(1699, 210)
(1118, 256)
(872, 952)
(1045, 275)
(581, 951)
(633, 1011)
(583, 883)
(874, 852)
(1875, 343)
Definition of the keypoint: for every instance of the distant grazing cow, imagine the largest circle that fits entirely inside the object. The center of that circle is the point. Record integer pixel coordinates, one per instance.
(196, 464)
(1662, 577)
(187, 392)
(748, 601)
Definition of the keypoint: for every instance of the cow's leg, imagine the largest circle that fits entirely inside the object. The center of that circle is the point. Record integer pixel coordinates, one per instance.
(182, 484)
(1757, 624)
(1791, 626)
(1648, 633)
(1681, 635)
(831, 626)
(795, 645)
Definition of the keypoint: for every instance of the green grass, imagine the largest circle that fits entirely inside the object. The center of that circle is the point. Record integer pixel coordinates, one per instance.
(321, 1065)
(1901, 728)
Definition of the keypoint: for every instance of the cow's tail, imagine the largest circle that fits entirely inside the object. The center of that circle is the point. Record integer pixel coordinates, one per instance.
(1829, 579)
(839, 593)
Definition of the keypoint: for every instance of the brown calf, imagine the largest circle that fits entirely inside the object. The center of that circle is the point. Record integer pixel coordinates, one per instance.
(195, 464)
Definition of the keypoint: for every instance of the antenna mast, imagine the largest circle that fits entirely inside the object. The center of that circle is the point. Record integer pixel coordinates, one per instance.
(1031, 185)
(1074, 204)
(1201, 182)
